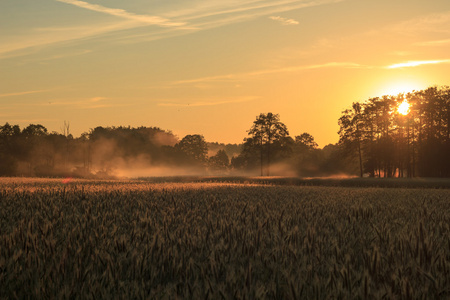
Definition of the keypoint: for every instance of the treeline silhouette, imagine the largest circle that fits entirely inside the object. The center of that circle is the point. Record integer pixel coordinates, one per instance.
(33, 151)
(388, 142)
(271, 150)
(105, 151)
(375, 140)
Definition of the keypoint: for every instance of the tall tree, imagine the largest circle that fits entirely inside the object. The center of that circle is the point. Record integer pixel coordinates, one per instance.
(267, 129)
(350, 132)
(415, 142)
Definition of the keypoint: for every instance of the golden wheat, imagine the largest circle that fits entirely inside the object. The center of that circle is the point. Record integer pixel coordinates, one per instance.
(135, 239)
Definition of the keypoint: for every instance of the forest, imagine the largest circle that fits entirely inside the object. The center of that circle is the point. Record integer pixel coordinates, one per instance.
(376, 139)
(407, 135)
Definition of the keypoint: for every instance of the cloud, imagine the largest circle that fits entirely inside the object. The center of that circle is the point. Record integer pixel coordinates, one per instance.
(257, 7)
(22, 93)
(434, 43)
(284, 21)
(249, 10)
(417, 63)
(152, 20)
(190, 19)
(437, 23)
(219, 13)
(208, 103)
(39, 38)
(96, 106)
(65, 55)
(31, 121)
(97, 99)
(244, 75)
(98, 102)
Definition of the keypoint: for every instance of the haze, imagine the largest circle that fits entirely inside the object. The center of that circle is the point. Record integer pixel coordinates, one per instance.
(210, 67)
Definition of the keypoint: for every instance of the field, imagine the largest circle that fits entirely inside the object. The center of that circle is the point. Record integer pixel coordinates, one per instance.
(221, 240)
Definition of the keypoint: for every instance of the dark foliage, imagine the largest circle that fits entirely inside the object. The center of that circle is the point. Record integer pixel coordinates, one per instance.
(388, 143)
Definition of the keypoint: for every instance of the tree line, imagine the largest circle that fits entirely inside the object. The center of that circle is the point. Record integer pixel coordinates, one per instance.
(270, 149)
(33, 151)
(376, 139)
(407, 135)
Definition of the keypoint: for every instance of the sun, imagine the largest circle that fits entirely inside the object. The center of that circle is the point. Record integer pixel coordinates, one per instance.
(403, 108)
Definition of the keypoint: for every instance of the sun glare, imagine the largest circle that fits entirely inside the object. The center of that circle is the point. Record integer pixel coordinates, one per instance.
(394, 86)
(399, 88)
(403, 108)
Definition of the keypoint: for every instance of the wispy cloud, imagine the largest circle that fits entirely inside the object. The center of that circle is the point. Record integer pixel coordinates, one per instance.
(437, 23)
(97, 106)
(237, 76)
(208, 103)
(31, 121)
(417, 63)
(248, 10)
(188, 19)
(65, 55)
(99, 102)
(443, 42)
(43, 60)
(22, 93)
(222, 13)
(42, 37)
(38, 38)
(152, 20)
(97, 99)
(284, 21)
(257, 7)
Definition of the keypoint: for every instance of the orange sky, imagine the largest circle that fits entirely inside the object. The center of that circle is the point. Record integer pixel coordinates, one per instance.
(210, 67)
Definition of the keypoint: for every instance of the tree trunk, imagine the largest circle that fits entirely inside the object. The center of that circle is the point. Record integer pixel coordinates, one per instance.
(360, 159)
(262, 148)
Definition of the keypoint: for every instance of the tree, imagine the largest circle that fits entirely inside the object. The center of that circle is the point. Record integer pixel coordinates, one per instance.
(219, 161)
(34, 130)
(9, 148)
(194, 147)
(306, 156)
(350, 133)
(305, 140)
(267, 129)
(391, 142)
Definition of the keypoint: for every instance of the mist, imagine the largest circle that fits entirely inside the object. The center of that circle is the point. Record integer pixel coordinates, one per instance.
(125, 152)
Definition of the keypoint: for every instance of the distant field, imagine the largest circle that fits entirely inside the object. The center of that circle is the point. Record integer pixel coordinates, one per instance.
(232, 238)
(437, 183)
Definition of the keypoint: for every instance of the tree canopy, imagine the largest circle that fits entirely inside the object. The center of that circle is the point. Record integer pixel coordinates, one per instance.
(194, 147)
(268, 134)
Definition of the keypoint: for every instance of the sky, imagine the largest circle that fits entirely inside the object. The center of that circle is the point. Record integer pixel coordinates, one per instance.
(211, 67)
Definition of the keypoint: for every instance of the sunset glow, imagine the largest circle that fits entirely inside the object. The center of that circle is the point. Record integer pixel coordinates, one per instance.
(418, 63)
(207, 67)
(397, 87)
(403, 108)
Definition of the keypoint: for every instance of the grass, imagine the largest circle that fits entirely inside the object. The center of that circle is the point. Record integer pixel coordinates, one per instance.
(213, 240)
(435, 183)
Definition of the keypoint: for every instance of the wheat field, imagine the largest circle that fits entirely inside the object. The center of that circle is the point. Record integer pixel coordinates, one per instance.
(82, 239)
